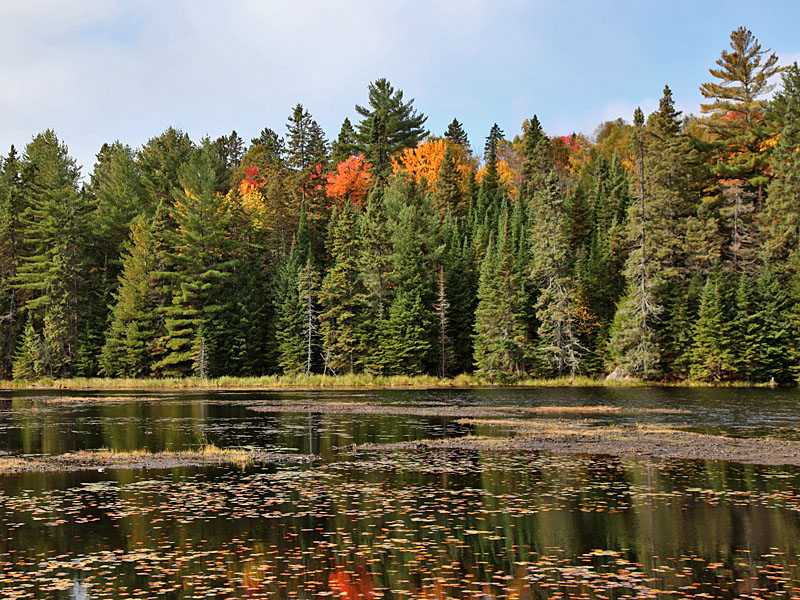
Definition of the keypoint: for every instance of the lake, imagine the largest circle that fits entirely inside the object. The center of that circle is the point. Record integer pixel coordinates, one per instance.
(371, 522)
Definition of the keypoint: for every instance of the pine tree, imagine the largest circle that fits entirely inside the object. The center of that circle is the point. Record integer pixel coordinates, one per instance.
(735, 111)
(159, 160)
(201, 262)
(135, 324)
(51, 263)
(388, 125)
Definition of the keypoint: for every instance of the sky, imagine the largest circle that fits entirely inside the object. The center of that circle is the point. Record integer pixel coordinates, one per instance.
(96, 71)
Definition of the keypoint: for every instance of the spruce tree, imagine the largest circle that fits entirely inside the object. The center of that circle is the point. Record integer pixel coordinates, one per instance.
(375, 264)
(449, 196)
(633, 347)
(346, 144)
(456, 134)
(501, 343)
(272, 145)
(29, 359)
(770, 348)
(559, 344)
(461, 292)
(341, 295)
(712, 358)
(407, 343)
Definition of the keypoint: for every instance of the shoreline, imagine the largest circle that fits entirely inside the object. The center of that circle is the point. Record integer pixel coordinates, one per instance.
(278, 383)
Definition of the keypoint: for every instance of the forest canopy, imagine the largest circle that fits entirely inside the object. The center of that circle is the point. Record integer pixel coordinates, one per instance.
(666, 247)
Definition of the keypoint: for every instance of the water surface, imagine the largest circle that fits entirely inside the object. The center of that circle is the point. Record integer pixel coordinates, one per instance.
(376, 524)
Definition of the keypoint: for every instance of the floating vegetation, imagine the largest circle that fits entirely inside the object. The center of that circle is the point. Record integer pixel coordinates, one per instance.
(491, 515)
(326, 532)
(456, 411)
(142, 459)
(588, 437)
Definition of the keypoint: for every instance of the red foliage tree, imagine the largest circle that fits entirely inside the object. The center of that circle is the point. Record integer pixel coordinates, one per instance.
(350, 181)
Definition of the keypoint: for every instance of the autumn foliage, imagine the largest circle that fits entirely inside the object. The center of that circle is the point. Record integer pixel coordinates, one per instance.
(422, 162)
(350, 181)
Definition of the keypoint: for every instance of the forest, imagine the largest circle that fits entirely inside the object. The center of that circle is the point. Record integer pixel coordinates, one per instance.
(665, 248)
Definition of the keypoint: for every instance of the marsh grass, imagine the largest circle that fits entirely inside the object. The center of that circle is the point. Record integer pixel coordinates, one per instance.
(340, 382)
(208, 454)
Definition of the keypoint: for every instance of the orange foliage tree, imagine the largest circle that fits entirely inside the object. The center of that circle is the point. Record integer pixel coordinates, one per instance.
(350, 181)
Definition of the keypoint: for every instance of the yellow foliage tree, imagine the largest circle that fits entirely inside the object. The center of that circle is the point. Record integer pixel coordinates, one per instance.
(425, 162)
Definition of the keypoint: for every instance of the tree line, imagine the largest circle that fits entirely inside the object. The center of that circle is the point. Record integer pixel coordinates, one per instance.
(663, 248)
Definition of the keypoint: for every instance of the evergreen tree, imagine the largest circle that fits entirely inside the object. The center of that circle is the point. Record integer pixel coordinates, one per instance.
(11, 236)
(201, 262)
(51, 264)
(341, 295)
(388, 125)
(456, 134)
(559, 341)
(449, 197)
(768, 348)
(159, 160)
(29, 359)
(297, 327)
(375, 264)
(231, 150)
(712, 358)
(501, 343)
(346, 145)
(735, 110)
(461, 291)
(442, 313)
(781, 216)
(135, 325)
(272, 146)
(407, 343)
(633, 346)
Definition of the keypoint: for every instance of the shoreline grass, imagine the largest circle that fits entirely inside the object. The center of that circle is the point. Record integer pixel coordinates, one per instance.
(341, 382)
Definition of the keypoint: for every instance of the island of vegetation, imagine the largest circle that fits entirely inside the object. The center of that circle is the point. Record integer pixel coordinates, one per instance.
(665, 249)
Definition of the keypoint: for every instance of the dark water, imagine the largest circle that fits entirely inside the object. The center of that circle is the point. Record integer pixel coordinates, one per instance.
(410, 524)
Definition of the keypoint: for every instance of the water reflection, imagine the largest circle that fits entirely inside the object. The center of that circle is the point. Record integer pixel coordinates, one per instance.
(419, 524)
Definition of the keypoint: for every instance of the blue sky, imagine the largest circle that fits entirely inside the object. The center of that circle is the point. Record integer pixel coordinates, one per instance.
(100, 70)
